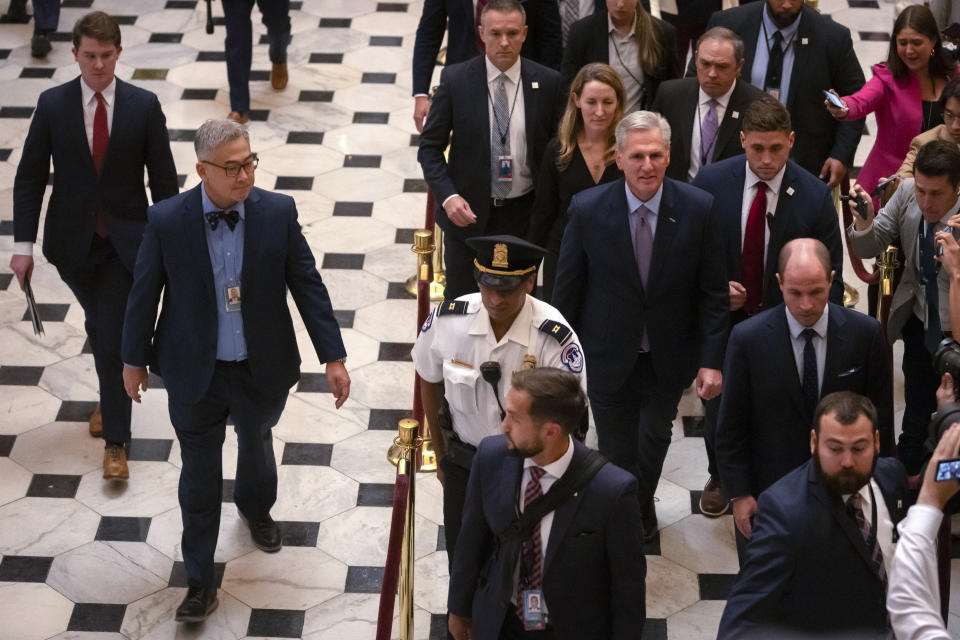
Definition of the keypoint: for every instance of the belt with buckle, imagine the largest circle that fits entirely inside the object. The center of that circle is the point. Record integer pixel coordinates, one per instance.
(498, 202)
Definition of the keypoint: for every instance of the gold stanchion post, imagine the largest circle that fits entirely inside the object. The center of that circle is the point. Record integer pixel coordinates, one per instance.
(408, 442)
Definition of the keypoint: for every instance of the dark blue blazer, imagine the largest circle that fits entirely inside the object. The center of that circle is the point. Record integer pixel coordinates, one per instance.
(594, 570)
(685, 307)
(460, 108)
(804, 210)
(807, 568)
(457, 18)
(174, 260)
(138, 139)
(762, 431)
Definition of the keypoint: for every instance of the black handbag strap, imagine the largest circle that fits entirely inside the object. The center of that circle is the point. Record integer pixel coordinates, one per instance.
(561, 491)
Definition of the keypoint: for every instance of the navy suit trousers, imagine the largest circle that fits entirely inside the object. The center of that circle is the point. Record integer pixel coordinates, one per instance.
(239, 43)
(200, 429)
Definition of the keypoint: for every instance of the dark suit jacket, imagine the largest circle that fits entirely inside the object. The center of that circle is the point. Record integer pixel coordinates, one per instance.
(588, 41)
(138, 139)
(685, 305)
(807, 568)
(174, 259)
(457, 17)
(677, 102)
(460, 107)
(826, 61)
(762, 431)
(804, 210)
(593, 571)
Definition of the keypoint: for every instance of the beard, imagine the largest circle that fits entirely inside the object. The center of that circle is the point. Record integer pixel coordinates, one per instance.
(845, 481)
(529, 452)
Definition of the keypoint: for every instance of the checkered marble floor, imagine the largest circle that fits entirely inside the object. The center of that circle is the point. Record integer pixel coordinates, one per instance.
(85, 559)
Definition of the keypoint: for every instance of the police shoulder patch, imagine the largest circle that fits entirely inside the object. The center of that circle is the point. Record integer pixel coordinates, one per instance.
(556, 330)
(427, 323)
(453, 307)
(572, 357)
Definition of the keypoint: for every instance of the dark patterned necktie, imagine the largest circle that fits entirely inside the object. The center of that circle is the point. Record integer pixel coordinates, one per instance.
(810, 387)
(775, 64)
(531, 547)
(929, 268)
(855, 511)
(230, 217)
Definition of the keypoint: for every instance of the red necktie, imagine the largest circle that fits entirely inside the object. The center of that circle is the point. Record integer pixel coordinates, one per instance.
(531, 547)
(480, 45)
(101, 137)
(751, 265)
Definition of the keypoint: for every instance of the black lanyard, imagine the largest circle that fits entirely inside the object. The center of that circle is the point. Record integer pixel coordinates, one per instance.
(922, 251)
(496, 121)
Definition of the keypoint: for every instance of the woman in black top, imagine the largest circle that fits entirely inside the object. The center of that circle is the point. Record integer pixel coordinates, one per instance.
(580, 157)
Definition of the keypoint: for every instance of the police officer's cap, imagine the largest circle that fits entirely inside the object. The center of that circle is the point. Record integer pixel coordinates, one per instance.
(504, 262)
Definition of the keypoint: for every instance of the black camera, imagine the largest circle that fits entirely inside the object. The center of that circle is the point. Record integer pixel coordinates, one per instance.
(946, 359)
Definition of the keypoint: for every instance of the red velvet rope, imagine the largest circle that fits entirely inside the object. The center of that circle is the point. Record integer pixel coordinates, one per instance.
(391, 574)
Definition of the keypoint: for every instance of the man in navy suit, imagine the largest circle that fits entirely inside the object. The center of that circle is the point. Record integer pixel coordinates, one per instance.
(224, 255)
(778, 364)
(755, 226)
(824, 537)
(101, 133)
(581, 565)
(642, 279)
(499, 133)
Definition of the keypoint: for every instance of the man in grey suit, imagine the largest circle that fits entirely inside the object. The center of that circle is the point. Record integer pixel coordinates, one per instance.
(920, 207)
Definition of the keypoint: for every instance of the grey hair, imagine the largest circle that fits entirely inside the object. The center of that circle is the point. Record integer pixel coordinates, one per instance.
(642, 121)
(214, 133)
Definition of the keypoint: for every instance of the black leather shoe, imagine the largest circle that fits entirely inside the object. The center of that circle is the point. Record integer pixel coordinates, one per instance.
(198, 604)
(648, 517)
(265, 533)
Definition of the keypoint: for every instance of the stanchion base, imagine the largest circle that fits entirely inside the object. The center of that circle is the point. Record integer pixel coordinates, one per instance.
(436, 287)
(850, 296)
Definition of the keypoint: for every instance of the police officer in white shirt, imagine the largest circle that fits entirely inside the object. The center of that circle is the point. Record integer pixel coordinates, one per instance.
(469, 347)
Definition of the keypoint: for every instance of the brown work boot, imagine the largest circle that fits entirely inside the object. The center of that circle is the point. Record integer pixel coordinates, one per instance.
(239, 118)
(278, 76)
(714, 501)
(115, 463)
(96, 422)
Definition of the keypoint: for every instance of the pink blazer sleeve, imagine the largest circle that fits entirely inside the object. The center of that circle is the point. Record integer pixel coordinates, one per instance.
(867, 99)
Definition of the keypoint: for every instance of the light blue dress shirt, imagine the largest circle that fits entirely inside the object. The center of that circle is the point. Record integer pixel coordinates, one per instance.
(764, 42)
(226, 258)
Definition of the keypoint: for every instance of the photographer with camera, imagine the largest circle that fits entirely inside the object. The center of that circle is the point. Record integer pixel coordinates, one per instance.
(916, 315)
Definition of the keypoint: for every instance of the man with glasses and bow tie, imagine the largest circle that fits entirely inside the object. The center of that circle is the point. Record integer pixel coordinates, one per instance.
(223, 255)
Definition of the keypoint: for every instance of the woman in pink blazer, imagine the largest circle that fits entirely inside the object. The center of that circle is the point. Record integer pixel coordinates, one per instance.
(904, 93)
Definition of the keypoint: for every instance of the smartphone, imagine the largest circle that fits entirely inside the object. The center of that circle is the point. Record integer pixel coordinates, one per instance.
(834, 100)
(948, 470)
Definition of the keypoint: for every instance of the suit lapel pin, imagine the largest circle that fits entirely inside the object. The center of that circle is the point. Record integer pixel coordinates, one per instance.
(899, 504)
(534, 85)
(735, 115)
(789, 191)
(804, 41)
(673, 220)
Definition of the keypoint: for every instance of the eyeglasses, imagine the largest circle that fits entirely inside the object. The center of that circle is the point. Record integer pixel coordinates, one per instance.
(233, 170)
(949, 116)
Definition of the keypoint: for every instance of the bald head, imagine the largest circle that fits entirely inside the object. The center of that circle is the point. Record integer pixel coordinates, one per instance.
(805, 250)
(804, 275)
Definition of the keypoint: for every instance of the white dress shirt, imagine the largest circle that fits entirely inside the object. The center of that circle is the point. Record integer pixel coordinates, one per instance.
(89, 112)
(773, 197)
(624, 57)
(819, 342)
(883, 528)
(522, 175)
(698, 117)
(913, 598)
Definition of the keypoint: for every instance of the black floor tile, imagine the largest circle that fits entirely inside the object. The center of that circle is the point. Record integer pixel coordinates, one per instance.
(259, 75)
(692, 426)
(326, 58)
(181, 135)
(178, 574)
(299, 534)
(395, 352)
(6, 226)
(20, 376)
(6, 445)
(863, 4)
(335, 23)
(105, 618)
(395, 7)
(61, 36)
(16, 112)
(655, 629)
(46, 485)
(180, 4)
(313, 383)
(26, 568)
(199, 94)
(123, 529)
(874, 36)
(166, 38)
(228, 490)
(344, 317)
(76, 4)
(150, 74)
(414, 139)
(181, 180)
(5, 53)
(307, 453)
(211, 56)
(154, 381)
(378, 78)
(695, 502)
(125, 20)
(387, 419)
(149, 449)
(259, 115)
(5, 280)
(414, 185)
(5, 154)
(294, 183)
(37, 72)
(276, 623)
(305, 137)
(364, 579)
(404, 236)
(370, 117)
(386, 41)
(441, 538)
(315, 96)
(362, 161)
(398, 291)
(375, 494)
(49, 312)
(354, 209)
(342, 261)
(716, 586)
(75, 410)
(296, 5)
